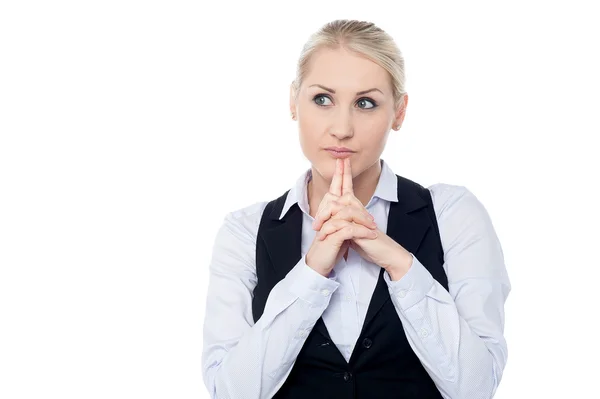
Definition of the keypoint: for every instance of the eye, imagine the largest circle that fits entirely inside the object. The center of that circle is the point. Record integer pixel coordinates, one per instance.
(363, 103)
(320, 99)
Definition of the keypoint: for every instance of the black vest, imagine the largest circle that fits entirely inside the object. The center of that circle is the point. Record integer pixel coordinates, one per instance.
(382, 365)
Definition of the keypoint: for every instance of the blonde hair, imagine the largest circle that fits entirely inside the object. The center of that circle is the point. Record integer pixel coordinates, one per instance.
(363, 38)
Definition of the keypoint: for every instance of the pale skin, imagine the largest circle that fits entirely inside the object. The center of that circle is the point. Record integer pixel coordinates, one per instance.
(340, 209)
(361, 122)
(346, 100)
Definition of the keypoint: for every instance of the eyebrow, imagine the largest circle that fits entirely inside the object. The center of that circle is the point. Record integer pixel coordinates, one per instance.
(358, 93)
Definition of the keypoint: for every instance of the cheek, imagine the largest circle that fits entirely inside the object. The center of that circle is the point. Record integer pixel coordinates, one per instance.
(375, 122)
(310, 131)
(370, 132)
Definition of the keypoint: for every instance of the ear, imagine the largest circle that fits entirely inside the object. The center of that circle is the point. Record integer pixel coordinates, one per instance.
(400, 113)
(293, 111)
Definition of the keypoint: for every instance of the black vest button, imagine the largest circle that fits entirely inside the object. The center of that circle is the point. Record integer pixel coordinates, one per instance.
(347, 376)
(367, 342)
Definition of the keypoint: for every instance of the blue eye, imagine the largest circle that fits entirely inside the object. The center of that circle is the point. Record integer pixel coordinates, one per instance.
(317, 99)
(366, 101)
(363, 103)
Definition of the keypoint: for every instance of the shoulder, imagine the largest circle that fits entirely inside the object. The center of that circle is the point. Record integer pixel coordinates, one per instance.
(445, 195)
(235, 242)
(442, 195)
(457, 208)
(471, 245)
(245, 221)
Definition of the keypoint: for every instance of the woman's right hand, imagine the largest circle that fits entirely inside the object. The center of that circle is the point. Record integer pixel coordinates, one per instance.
(324, 254)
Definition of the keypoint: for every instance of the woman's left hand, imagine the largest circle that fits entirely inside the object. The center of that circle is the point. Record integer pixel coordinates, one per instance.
(385, 252)
(382, 251)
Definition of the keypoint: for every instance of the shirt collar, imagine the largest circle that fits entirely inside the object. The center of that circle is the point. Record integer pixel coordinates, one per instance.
(387, 189)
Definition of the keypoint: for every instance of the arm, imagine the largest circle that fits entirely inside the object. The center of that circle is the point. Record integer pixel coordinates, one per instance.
(243, 359)
(458, 334)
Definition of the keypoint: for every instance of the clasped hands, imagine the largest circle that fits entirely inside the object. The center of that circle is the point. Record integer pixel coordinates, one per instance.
(344, 222)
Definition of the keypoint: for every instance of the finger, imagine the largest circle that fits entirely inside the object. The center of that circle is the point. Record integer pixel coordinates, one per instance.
(331, 227)
(329, 209)
(347, 186)
(336, 209)
(349, 199)
(351, 232)
(335, 225)
(327, 198)
(336, 182)
(355, 215)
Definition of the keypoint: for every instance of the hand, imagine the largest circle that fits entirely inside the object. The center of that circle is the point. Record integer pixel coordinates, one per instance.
(383, 250)
(325, 253)
(340, 202)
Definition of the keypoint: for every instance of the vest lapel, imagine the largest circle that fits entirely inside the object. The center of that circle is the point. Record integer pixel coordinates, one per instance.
(283, 238)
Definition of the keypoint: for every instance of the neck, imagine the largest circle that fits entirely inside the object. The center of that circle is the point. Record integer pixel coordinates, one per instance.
(364, 186)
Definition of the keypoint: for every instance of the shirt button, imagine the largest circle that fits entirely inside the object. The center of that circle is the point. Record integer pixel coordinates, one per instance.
(325, 292)
(347, 376)
(424, 333)
(402, 293)
(367, 343)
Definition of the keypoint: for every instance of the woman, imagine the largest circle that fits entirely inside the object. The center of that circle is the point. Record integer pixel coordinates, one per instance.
(356, 282)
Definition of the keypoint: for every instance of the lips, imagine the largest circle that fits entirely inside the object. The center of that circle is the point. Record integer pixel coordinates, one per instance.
(339, 149)
(340, 154)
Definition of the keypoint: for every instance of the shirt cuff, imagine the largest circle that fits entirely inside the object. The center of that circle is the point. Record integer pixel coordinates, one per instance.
(309, 285)
(412, 287)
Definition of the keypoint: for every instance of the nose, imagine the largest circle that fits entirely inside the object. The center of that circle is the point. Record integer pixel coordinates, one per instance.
(341, 126)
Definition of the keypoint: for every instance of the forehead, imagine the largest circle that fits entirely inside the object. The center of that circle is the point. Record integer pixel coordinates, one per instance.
(343, 70)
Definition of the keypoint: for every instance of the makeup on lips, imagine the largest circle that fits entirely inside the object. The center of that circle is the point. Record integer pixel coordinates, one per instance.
(339, 152)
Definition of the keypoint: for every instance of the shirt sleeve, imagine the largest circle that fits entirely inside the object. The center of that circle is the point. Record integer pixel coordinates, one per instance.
(458, 334)
(243, 359)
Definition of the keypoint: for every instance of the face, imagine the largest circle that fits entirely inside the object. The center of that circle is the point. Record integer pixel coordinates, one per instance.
(345, 100)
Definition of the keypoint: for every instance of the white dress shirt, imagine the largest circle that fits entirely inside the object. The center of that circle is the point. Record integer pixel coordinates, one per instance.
(456, 334)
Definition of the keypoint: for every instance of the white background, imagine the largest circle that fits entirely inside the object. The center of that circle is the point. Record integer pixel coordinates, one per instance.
(128, 129)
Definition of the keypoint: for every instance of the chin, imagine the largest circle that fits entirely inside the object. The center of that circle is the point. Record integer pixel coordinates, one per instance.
(328, 167)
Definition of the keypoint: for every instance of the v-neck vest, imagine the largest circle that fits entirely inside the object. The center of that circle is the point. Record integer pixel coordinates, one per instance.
(382, 365)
